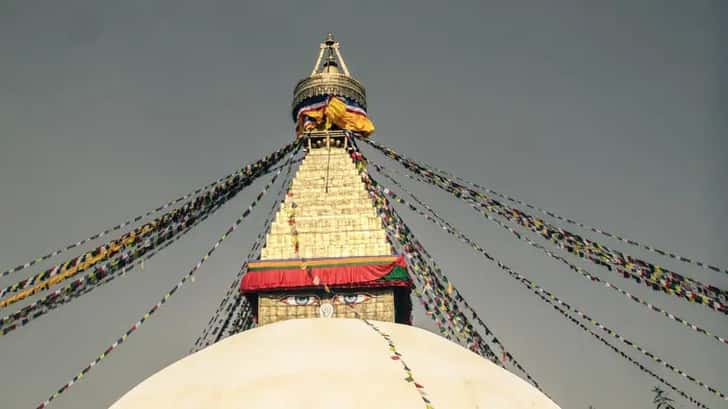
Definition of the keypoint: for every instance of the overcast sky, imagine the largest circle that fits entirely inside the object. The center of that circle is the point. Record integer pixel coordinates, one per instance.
(613, 113)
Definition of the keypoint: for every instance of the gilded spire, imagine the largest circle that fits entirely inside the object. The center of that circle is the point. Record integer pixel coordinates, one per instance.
(329, 51)
(330, 76)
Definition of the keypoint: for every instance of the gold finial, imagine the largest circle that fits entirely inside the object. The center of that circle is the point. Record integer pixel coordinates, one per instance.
(329, 39)
(330, 50)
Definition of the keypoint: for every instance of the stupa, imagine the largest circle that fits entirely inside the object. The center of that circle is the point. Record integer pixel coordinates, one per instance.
(331, 298)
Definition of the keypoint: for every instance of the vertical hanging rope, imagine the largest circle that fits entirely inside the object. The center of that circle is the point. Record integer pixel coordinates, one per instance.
(328, 165)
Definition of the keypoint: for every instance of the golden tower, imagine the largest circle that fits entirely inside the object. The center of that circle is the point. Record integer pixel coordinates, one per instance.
(327, 253)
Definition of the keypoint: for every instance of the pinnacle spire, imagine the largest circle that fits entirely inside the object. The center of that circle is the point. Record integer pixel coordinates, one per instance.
(329, 52)
(330, 78)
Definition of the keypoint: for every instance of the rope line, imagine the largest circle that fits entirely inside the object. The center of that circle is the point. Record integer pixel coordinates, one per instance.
(614, 236)
(652, 276)
(238, 300)
(533, 286)
(114, 268)
(126, 223)
(571, 266)
(104, 273)
(162, 301)
(390, 215)
(456, 326)
(397, 356)
(442, 290)
(54, 275)
(202, 341)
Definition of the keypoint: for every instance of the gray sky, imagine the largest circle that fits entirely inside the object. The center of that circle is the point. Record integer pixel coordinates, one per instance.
(612, 113)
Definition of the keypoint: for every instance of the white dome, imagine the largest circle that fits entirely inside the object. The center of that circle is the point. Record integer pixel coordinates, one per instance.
(332, 364)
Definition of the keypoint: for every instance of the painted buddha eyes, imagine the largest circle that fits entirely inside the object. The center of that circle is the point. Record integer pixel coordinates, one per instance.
(300, 300)
(346, 299)
(351, 299)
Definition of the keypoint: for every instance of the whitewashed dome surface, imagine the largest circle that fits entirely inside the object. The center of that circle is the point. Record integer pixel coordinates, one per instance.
(333, 364)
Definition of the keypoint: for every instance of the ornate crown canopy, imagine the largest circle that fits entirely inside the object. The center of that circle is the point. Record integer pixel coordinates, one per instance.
(328, 78)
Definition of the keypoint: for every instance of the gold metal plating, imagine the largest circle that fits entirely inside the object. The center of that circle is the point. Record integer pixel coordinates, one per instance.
(329, 84)
(326, 79)
(327, 213)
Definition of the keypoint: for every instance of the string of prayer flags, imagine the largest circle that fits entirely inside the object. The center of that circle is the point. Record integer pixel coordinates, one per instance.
(649, 354)
(57, 274)
(535, 287)
(622, 354)
(239, 302)
(416, 248)
(444, 312)
(294, 229)
(104, 273)
(450, 308)
(215, 324)
(592, 278)
(438, 311)
(240, 172)
(244, 320)
(397, 356)
(239, 299)
(431, 310)
(655, 277)
(518, 276)
(391, 218)
(171, 228)
(441, 303)
(101, 275)
(59, 297)
(161, 302)
(549, 213)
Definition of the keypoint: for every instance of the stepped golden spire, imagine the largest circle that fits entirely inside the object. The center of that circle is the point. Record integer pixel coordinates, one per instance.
(327, 212)
(327, 234)
(328, 78)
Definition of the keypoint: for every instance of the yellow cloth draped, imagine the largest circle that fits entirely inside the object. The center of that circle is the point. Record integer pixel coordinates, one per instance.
(354, 121)
(335, 113)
